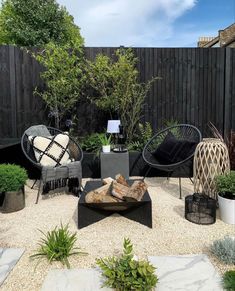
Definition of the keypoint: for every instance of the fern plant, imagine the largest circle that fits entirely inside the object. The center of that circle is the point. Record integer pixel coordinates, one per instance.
(224, 250)
(229, 280)
(124, 273)
(57, 245)
(145, 133)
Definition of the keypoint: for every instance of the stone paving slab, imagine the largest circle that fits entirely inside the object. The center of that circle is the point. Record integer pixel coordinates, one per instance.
(178, 273)
(8, 259)
(186, 273)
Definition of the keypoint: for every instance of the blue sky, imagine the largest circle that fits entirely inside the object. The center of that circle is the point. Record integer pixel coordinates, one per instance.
(149, 23)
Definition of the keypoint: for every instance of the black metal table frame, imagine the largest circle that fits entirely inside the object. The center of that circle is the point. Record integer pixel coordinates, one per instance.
(88, 213)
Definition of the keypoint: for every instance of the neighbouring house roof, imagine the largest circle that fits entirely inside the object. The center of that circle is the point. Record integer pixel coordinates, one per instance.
(225, 38)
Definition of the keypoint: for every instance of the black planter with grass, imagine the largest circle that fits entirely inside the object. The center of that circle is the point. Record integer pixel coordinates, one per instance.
(12, 181)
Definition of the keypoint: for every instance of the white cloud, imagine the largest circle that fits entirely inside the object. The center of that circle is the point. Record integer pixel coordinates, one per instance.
(127, 22)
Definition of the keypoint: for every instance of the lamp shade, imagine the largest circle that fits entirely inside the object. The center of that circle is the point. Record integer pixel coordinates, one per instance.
(113, 126)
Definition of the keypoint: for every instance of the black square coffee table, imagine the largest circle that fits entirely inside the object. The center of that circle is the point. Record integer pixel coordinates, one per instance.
(88, 213)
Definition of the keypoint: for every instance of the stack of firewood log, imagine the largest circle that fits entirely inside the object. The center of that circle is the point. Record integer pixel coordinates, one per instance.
(117, 190)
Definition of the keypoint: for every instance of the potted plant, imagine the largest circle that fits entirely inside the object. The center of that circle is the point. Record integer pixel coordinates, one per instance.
(105, 142)
(225, 185)
(12, 181)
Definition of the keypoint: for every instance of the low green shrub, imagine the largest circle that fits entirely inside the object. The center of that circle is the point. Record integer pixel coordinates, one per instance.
(125, 273)
(12, 177)
(226, 183)
(91, 143)
(57, 245)
(229, 280)
(144, 134)
(224, 250)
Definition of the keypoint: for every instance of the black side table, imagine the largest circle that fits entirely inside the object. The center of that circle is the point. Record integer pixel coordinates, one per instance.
(88, 213)
(114, 163)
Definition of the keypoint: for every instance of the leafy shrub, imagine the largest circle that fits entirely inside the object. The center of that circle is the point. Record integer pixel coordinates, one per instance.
(57, 245)
(226, 183)
(64, 79)
(91, 143)
(229, 280)
(125, 273)
(144, 134)
(224, 250)
(115, 88)
(12, 177)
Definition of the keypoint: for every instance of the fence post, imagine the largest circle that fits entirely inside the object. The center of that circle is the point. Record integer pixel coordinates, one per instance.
(227, 93)
(12, 74)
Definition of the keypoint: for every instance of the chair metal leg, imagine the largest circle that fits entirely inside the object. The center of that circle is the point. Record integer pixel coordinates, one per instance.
(146, 173)
(34, 184)
(191, 180)
(39, 187)
(180, 188)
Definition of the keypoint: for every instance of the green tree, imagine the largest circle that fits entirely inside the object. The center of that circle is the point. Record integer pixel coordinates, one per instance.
(116, 88)
(36, 23)
(64, 78)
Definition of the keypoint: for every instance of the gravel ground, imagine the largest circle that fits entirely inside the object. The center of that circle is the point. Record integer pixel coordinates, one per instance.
(171, 233)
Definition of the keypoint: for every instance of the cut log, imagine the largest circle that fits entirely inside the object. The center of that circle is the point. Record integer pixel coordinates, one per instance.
(96, 195)
(108, 180)
(118, 190)
(136, 191)
(121, 180)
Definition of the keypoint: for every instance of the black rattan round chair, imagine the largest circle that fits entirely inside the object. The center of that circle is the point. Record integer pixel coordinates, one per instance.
(61, 172)
(171, 148)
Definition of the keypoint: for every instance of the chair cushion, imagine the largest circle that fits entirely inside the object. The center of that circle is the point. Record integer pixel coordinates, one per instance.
(51, 150)
(173, 150)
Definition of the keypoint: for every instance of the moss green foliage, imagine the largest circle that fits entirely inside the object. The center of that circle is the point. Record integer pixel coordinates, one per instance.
(229, 280)
(12, 177)
(226, 183)
(37, 22)
(116, 88)
(63, 77)
(125, 273)
(91, 143)
(57, 245)
(224, 250)
(143, 134)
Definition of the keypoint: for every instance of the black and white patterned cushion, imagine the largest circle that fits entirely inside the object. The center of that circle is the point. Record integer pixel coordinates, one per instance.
(51, 150)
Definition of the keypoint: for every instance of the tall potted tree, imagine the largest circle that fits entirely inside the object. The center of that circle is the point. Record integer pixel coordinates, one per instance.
(12, 181)
(225, 185)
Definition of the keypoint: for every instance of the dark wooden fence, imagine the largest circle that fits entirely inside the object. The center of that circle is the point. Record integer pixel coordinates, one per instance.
(197, 86)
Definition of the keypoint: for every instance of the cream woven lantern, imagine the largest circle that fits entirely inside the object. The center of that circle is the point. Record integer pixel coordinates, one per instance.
(211, 159)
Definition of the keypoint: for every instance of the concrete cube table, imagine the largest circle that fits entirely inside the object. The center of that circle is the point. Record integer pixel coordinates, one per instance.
(114, 163)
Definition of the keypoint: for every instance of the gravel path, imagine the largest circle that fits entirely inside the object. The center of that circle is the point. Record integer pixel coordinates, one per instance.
(171, 233)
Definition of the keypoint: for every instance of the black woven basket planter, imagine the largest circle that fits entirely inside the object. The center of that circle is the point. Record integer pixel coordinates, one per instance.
(200, 209)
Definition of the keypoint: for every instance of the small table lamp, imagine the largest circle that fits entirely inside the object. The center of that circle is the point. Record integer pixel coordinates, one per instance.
(113, 128)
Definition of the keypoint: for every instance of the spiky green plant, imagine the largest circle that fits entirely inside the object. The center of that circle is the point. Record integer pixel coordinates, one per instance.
(224, 250)
(104, 139)
(144, 134)
(124, 273)
(229, 280)
(57, 245)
